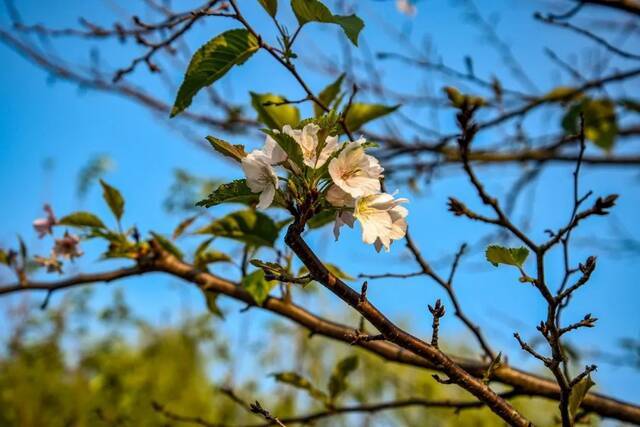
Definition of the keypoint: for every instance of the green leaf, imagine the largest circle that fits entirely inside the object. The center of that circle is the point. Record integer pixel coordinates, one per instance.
(325, 217)
(249, 226)
(269, 267)
(338, 380)
(274, 116)
(334, 269)
(578, 392)
(233, 192)
(167, 245)
(289, 145)
(458, 99)
(561, 93)
(212, 61)
(205, 258)
(600, 123)
(315, 11)
(4, 257)
(113, 198)
(510, 256)
(359, 114)
(258, 286)
(236, 152)
(298, 381)
(182, 227)
(271, 6)
(328, 94)
(211, 298)
(82, 219)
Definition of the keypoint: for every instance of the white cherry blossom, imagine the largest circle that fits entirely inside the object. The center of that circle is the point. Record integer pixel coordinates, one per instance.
(343, 218)
(261, 178)
(273, 151)
(382, 218)
(356, 172)
(339, 198)
(307, 139)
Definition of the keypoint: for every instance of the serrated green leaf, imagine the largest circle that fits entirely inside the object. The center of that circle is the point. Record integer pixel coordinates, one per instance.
(233, 192)
(298, 381)
(167, 245)
(249, 226)
(212, 61)
(327, 95)
(258, 286)
(289, 145)
(314, 11)
(114, 199)
(338, 380)
(510, 256)
(271, 6)
(236, 152)
(359, 114)
(211, 299)
(578, 392)
(274, 116)
(82, 219)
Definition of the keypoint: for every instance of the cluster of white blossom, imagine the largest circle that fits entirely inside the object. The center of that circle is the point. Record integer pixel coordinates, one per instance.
(353, 186)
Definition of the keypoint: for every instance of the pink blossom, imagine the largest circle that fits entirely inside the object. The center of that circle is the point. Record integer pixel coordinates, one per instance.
(44, 226)
(68, 247)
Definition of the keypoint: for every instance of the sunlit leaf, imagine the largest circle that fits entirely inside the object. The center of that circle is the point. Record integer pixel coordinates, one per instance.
(204, 258)
(359, 114)
(236, 152)
(212, 61)
(315, 11)
(298, 381)
(249, 226)
(258, 286)
(233, 192)
(459, 99)
(600, 123)
(274, 116)
(288, 145)
(182, 227)
(82, 219)
(578, 392)
(114, 199)
(211, 299)
(167, 245)
(327, 95)
(271, 6)
(510, 256)
(561, 93)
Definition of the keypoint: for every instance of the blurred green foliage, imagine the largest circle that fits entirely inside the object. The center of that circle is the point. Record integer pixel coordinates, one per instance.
(62, 367)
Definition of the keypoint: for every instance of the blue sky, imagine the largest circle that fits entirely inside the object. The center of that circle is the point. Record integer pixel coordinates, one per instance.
(43, 118)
